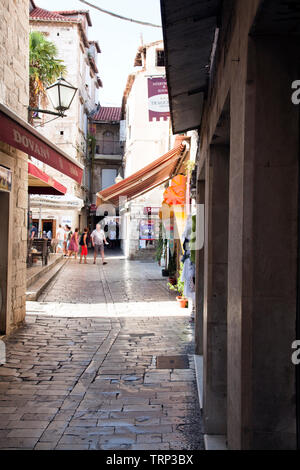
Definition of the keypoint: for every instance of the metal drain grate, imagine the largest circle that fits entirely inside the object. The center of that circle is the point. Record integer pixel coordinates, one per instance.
(172, 362)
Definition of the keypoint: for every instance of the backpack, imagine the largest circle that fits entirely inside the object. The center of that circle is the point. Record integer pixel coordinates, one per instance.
(81, 242)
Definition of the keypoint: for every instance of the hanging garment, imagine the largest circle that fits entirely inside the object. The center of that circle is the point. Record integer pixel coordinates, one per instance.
(187, 276)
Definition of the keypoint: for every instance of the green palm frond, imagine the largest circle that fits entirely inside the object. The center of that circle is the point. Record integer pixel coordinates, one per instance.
(44, 66)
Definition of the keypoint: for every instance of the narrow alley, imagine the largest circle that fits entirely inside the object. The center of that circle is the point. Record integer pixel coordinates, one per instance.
(104, 361)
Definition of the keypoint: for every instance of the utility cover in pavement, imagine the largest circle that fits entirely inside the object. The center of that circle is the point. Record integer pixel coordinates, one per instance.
(172, 362)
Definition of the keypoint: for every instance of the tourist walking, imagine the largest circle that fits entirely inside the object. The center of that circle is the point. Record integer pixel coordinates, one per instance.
(83, 244)
(98, 240)
(68, 234)
(60, 235)
(73, 244)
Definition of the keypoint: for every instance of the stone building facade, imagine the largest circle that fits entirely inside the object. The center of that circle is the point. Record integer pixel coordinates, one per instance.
(108, 149)
(106, 163)
(14, 30)
(236, 84)
(146, 140)
(68, 30)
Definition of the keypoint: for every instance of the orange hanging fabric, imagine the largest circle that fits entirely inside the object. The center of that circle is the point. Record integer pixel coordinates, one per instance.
(175, 194)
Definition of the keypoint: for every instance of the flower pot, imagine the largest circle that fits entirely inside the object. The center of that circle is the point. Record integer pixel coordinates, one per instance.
(182, 301)
(172, 280)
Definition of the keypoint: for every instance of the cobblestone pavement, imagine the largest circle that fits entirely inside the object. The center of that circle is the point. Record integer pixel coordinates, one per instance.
(83, 371)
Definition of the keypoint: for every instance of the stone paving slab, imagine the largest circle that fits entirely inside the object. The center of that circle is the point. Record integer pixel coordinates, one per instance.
(76, 381)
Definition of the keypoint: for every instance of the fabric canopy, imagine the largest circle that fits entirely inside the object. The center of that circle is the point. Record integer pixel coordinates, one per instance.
(40, 183)
(175, 193)
(19, 134)
(146, 179)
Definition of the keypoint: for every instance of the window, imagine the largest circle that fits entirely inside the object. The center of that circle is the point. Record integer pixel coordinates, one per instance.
(160, 58)
(108, 177)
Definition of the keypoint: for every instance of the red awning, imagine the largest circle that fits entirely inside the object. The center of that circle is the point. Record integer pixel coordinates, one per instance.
(40, 183)
(19, 134)
(146, 179)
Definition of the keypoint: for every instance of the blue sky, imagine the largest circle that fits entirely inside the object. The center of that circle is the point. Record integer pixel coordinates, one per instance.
(118, 39)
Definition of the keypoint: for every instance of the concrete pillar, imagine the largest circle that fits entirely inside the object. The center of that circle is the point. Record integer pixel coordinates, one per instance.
(262, 253)
(215, 291)
(199, 282)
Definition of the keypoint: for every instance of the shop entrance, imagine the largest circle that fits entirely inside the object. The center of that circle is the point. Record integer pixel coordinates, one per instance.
(46, 225)
(4, 209)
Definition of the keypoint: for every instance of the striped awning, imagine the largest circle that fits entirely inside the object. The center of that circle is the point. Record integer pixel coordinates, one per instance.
(41, 183)
(151, 176)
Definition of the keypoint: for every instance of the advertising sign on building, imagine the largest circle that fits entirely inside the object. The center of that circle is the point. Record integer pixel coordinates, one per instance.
(147, 230)
(158, 100)
(151, 210)
(93, 209)
(66, 221)
(5, 179)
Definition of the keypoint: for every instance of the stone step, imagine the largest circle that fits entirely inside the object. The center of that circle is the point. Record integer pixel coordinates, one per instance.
(40, 284)
(40, 271)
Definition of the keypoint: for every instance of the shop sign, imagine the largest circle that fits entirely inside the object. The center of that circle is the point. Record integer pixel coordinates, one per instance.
(66, 221)
(5, 179)
(158, 99)
(22, 139)
(147, 230)
(93, 209)
(151, 210)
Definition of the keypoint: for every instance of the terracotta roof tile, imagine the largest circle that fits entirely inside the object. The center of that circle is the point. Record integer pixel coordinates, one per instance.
(76, 12)
(40, 13)
(45, 15)
(107, 113)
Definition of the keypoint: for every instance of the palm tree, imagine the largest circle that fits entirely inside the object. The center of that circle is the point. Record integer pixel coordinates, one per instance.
(44, 67)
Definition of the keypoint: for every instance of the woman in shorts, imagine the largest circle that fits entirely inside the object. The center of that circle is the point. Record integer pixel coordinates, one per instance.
(83, 244)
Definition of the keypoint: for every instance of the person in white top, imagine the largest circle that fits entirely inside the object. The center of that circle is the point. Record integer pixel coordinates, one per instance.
(112, 236)
(98, 238)
(60, 235)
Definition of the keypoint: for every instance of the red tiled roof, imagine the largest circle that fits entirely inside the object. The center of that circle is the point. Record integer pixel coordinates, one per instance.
(45, 15)
(76, 12)
(40, 13)
(107, 113)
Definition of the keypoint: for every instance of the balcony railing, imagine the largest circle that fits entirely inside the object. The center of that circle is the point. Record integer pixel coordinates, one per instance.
(108, 147)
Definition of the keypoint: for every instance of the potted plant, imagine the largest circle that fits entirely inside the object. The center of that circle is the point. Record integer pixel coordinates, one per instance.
(179, 287)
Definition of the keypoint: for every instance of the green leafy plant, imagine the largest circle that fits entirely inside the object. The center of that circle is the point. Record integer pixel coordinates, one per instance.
(44, 66)
(92, 145)
(189, 166)
(179, 286)
(159, 249)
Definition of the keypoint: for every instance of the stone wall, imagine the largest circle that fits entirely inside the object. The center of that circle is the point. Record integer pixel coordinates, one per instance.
(14, 30)
(70, 133)
(254, 75)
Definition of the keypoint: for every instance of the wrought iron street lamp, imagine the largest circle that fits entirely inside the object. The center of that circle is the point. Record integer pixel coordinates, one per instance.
(61, 94)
